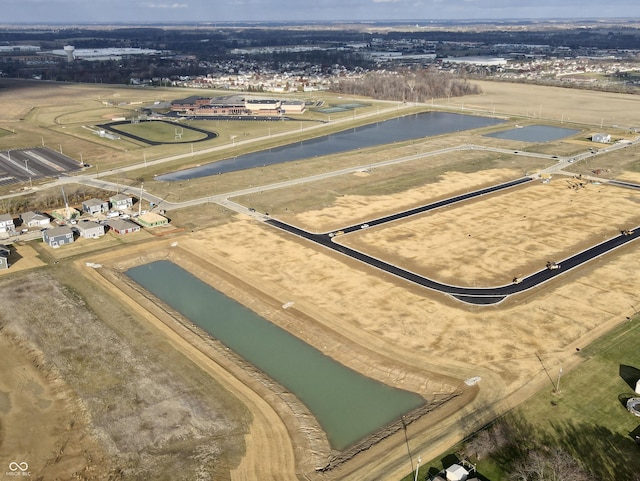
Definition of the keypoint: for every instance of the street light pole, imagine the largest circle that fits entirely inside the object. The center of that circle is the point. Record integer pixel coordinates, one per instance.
(417, 468)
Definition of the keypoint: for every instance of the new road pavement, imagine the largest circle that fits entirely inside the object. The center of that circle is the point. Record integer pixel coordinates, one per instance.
(470, 295)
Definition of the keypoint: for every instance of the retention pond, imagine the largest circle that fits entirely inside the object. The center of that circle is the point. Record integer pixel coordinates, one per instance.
(400, 129)
(347, 405)
(534, 133)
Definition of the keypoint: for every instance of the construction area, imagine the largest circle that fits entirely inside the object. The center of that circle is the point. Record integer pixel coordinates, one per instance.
(119, 386)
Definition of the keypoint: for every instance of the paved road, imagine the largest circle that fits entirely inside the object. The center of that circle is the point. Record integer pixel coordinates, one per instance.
(470, 295)
(434, 205)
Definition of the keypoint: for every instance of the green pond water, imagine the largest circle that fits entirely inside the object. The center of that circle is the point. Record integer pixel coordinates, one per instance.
(347, 405)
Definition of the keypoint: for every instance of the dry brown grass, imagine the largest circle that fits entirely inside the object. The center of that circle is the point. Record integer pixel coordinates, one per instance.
(109, 395)
(512, 234)
(611, 110)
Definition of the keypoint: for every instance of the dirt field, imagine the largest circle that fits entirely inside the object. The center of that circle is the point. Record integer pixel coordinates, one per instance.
(139, 393)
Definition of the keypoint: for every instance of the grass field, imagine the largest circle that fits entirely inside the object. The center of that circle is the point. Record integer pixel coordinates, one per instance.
(587, 417)
(161, 132)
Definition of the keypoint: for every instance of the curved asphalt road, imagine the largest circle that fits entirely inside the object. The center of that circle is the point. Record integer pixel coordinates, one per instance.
(470, 295)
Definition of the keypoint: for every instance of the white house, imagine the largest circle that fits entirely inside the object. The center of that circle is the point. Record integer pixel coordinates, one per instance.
(35, 219)
(121, 201)
(95, 206)
(89, 229)
(602, 138)
(6, 224)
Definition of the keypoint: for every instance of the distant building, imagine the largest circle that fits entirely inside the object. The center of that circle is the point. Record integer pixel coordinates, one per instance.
(233, 105)
(95, 206)
(484, 61)
(58, 236)
(263, 107)
(190, 103)
(293, 107)
(121, 201)
(601, 138)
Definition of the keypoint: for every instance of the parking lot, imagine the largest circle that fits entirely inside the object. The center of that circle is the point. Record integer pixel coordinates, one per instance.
(22, 165)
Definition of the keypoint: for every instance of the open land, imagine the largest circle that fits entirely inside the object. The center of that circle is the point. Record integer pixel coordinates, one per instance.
(172, 390)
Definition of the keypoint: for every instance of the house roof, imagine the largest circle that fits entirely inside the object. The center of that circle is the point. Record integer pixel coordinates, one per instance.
(94, 202)
(118, 197)
(57, 231)
(27, 216)
(121, 224)
(30, 215)
(152, 218)
(87, 224)
(6, 217)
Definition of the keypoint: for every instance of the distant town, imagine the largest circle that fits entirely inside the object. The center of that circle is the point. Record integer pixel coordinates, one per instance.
(282, 59)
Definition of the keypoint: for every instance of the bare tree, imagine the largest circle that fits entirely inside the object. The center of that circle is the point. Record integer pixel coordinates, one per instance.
(554, 465)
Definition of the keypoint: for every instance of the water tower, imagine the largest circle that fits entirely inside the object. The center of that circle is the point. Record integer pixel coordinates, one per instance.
(69, 49)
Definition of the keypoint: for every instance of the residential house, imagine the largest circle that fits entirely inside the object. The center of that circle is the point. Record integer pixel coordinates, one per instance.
(151, 219)
(95, 206)
(4, 257)
(6, 224)
(35, 219)
(89, 229)
(122, 226)
(602, 138)
(121, 201)
(58, 236)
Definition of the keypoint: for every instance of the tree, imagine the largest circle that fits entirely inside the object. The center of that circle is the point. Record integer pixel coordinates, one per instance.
(551, 465)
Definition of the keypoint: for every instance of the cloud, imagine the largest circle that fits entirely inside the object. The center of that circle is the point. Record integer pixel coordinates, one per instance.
(386, 1)
(167, 5)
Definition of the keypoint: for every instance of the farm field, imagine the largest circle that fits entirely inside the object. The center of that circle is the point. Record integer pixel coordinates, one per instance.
(371, 322)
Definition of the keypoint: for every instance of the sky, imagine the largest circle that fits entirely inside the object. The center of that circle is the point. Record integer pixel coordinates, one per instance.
(143, 11)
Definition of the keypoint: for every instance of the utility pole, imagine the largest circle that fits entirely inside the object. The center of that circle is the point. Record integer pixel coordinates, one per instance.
(558, 383)
(140, 203)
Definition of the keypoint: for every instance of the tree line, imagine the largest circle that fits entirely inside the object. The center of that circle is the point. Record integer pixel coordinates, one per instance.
(406, 86)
